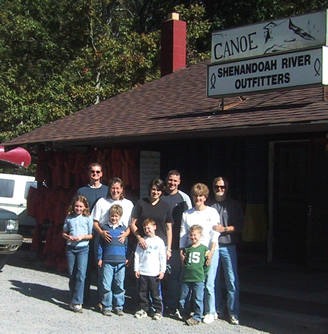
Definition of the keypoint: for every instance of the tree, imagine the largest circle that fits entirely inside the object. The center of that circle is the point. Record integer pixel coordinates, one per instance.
(60, 56)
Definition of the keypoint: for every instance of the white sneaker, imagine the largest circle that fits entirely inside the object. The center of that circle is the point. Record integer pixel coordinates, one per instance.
(77, 308)
(178, 315)
(140, 314)
(208, 318)
(234, 320)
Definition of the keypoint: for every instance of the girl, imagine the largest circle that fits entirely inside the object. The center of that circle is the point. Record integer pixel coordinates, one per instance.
(77, 231)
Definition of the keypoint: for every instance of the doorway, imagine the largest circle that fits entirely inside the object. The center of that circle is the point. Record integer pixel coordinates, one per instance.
(290, 201)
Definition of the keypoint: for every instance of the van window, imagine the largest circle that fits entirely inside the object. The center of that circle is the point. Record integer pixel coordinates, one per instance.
(7, 188)
(28, 185)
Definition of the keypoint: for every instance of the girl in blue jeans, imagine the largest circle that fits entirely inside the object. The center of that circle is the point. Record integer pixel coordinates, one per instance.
(77, 231)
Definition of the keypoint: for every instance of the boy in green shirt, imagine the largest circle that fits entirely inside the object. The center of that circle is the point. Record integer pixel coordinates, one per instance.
(195, 267)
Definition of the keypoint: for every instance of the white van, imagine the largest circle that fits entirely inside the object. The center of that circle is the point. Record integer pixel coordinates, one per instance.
(13, 195)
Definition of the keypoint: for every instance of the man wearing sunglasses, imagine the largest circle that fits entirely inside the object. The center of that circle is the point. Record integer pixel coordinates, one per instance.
(231, 218)
(93, 191)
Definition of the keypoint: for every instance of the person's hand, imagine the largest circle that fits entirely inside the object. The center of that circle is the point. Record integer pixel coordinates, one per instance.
(182, 256)
(219, 228)
(168, 254)
(160, 276)
(142, 242)
(122, 238)
(106, 235)
(99, 263)
(137, 274)
(208, 258)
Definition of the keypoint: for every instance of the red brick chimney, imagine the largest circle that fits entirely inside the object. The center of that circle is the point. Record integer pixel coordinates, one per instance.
(173, 45)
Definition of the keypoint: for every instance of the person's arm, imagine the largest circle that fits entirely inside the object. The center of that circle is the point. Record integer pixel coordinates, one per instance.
(136, 262)
(162, 259)
(84, 237)
(169, 240)
(135, 231)
(212, 248)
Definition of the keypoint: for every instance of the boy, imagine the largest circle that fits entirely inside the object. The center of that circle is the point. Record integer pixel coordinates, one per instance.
(149, 267)
(195, 267)
(111, 263)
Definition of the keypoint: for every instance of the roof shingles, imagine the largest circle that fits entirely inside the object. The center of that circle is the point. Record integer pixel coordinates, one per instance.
(177, 104)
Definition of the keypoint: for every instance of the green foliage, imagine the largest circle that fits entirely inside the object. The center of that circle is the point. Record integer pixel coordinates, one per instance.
(60, 56)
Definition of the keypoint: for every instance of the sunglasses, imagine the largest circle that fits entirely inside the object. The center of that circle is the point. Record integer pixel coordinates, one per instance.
(219, 187)
(95, 171)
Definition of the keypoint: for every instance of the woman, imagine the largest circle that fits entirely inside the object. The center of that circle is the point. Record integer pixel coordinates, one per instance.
(206, 217)
(100, 212)
(100, 215)
(155, 208)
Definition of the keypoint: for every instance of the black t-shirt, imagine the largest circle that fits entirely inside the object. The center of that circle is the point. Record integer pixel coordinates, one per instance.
(177, 205)
(160, 212)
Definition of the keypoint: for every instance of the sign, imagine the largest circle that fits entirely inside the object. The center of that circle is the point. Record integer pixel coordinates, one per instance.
(150, 162)
(259, 74)
(277, 36)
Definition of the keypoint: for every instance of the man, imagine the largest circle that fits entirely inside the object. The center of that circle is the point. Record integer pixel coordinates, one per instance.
(93, 191)
(231, 218)
(178, 202)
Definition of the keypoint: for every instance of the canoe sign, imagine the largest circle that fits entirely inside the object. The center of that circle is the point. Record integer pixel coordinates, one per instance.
(277, 36)
(272, 55)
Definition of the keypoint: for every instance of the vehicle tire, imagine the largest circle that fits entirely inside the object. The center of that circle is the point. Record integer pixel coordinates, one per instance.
(3, 260)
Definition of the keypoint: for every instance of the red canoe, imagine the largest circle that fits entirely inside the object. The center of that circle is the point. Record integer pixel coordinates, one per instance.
(17, 156)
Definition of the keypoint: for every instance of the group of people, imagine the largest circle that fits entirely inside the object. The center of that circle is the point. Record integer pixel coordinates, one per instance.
(184, 256)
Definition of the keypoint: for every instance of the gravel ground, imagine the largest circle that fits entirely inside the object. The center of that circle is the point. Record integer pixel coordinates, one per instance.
(34, 300)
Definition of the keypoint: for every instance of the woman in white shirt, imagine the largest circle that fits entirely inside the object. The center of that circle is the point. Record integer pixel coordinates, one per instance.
(207, 217)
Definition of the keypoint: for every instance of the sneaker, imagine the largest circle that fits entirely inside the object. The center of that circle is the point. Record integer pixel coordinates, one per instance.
(77, 308)
(140, 314)
(192, 322)
(234, 320)
(177, 315)
(209, 318)
(157, 316)
(119, 312)
(107, 312)
(216, 316)
(99, 307)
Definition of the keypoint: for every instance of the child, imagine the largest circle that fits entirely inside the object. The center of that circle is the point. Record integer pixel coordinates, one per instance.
(195, 266)
(149, 267)
(77, 231)
(111, 263)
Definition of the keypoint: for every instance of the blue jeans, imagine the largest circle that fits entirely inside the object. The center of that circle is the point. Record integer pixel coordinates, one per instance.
(113, 275)
(228, 263)
(77, 260)
(196, 289)
(209, 306)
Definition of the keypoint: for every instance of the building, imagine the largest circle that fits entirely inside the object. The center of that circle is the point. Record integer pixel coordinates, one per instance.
(273, 146)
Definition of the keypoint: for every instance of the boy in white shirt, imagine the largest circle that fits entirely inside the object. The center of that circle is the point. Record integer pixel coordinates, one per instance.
(149, 267)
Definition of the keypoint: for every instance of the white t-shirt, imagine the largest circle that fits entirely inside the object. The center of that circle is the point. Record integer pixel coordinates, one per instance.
(206, 218)
(152, 260)
(100, 211)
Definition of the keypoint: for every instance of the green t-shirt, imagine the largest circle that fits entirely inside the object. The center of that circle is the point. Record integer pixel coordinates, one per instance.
(195, 268)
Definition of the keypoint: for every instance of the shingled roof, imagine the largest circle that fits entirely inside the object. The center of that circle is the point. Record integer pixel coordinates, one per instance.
(176, 106)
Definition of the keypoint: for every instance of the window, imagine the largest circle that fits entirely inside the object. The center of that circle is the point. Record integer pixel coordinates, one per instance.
(7, 188)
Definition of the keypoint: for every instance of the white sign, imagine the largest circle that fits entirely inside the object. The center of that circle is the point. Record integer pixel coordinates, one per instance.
(259, 74)
(277, 36)
(150, 162)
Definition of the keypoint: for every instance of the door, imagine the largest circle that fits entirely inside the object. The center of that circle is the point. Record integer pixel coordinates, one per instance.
(291, 202)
